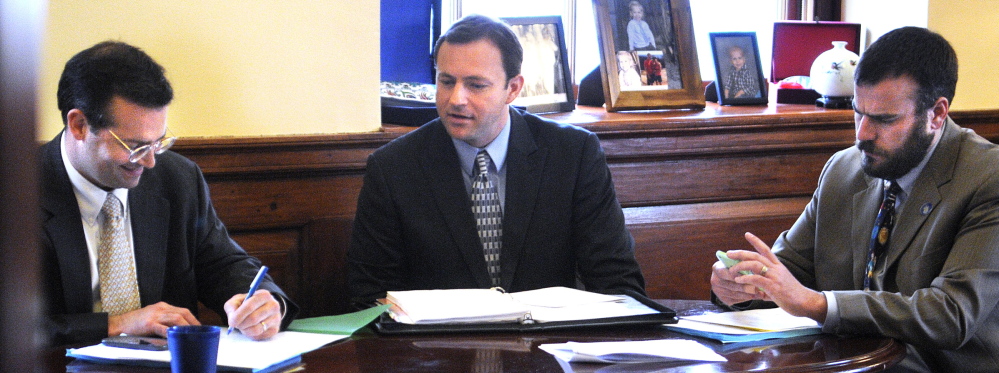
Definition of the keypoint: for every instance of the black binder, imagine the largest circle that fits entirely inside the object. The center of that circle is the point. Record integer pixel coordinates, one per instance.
(386, 325)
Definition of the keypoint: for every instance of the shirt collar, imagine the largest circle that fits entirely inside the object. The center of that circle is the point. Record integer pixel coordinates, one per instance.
(497, 150)
(89, 196)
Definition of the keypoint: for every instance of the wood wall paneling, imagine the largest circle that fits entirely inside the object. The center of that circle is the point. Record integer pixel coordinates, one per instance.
(675, 244)
(690, 182)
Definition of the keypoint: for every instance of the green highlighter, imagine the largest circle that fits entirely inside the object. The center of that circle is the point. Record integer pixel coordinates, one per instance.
(729, 262)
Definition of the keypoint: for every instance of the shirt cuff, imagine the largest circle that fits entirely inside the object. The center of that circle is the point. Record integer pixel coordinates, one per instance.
(832, 313)
(284, 307)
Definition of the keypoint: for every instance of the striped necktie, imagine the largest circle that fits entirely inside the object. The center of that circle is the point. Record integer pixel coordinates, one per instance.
(116, 262)
(488, 215)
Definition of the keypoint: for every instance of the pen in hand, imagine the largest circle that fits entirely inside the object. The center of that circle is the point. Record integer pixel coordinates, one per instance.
(253, 288)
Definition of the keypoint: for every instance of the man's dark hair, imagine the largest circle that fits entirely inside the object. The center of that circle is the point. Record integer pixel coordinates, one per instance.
(111, 68)
(477, 27)
(916, 52)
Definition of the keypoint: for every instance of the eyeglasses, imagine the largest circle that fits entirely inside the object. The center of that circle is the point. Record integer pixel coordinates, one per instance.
(157, 147)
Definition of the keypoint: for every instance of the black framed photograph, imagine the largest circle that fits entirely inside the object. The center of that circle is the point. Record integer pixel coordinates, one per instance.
(548, 85)
(740, 79)
(648, 56)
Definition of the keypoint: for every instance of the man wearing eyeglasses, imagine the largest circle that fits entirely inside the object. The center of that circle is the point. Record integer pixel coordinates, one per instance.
(131, 240)
(901, 237)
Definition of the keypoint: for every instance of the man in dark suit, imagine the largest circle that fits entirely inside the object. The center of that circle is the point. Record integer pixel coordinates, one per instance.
(129, 248)
(901, 237)
(547, 214)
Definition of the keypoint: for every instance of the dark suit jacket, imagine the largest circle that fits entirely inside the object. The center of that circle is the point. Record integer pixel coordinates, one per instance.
(414, 228)
(941, 283)
(183, 253)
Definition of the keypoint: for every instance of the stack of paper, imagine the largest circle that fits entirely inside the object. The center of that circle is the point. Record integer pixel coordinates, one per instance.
(458, 306)
(455, 306)
(751, 325)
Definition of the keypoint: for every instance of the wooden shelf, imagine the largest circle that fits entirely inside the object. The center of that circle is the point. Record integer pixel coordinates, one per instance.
(690, 181)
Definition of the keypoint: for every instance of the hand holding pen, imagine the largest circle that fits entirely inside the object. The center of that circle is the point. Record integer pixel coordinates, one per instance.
(256, 314)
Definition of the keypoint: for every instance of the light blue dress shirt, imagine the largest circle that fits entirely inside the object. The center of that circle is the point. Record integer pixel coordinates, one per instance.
(497, 151)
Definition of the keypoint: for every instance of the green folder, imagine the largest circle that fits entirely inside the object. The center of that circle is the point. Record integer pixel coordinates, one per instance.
(345, 324)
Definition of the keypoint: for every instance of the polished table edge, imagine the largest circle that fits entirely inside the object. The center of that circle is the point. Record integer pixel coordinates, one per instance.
(369, 351)
(885, 353)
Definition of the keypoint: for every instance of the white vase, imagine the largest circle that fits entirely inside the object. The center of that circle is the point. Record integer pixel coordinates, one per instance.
(832, 72)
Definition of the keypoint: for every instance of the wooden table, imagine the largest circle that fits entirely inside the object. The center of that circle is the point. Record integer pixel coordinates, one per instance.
(506, 352)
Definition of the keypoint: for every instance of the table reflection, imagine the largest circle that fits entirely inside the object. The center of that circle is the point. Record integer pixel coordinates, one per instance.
(367, 352)
(520, 353)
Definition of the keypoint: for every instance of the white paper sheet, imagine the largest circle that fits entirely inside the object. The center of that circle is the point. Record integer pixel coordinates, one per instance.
(599, 310)
(235, 350)
(560, 296)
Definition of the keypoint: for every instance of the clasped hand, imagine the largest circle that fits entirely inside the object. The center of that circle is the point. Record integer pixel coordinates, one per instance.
(258, 317)
(770, 281)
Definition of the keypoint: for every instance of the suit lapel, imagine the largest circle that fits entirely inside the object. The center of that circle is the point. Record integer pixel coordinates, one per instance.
(866, 204)
(925, 194)
(150, 215)
(525, 163)
(443, 171)
(64, 227)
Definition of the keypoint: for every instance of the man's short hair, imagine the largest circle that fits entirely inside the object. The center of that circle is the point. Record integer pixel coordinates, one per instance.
(477, 27)
(111, 68)
(918, 53)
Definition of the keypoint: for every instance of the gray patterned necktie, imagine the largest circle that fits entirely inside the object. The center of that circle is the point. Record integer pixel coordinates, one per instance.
(488, 215)
(116, 262)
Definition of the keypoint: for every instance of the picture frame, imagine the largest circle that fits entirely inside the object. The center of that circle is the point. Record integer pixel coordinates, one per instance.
(740, 79)
(669, 35)
(548, 83)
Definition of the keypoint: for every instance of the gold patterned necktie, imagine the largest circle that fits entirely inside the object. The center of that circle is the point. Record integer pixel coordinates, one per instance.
(116, 262)
(488, 215)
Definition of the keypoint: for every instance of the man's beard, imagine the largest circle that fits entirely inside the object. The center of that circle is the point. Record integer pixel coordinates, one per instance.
(896, 165)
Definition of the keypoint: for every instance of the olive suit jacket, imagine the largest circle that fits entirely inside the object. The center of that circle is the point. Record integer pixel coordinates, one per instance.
(940, 287)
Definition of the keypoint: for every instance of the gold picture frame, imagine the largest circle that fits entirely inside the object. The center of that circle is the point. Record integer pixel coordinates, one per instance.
(636, 34)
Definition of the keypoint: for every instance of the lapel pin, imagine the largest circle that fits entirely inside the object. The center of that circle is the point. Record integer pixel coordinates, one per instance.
(926, 208)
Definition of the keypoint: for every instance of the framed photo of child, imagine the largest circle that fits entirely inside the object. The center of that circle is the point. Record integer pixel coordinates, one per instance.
(737, 65)
(648, 57)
